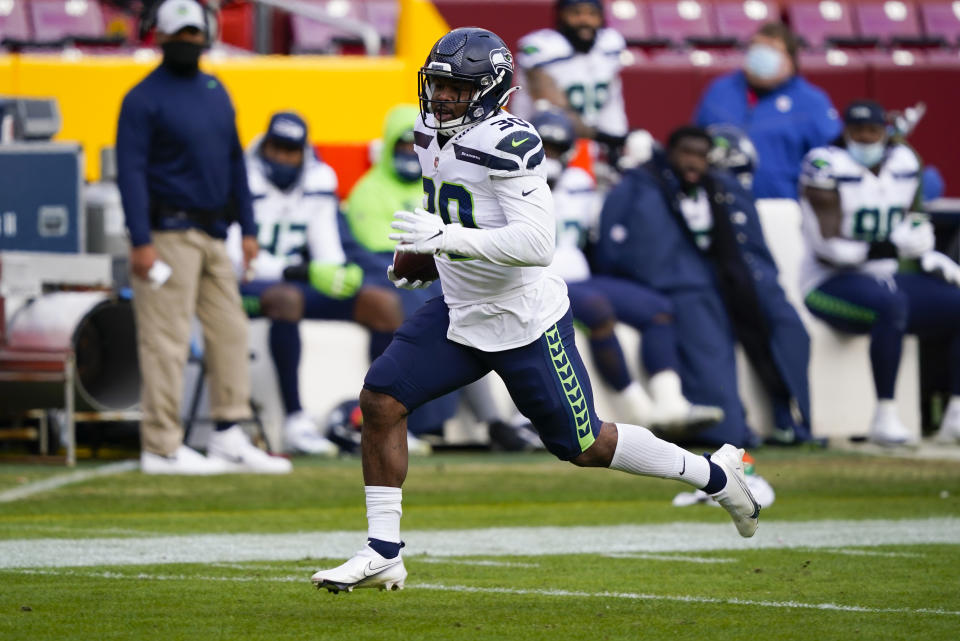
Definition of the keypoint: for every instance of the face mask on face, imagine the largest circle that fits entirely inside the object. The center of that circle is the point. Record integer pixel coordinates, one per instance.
(407, 165)
(763, 61)
(867, 154)
(553, 168)
(280, 174)
(181, 57)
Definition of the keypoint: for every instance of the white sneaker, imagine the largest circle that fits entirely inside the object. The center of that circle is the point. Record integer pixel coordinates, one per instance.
(887, 428)
(417, 446)
(233, 447)
(735, 497)
(949, 431)
(632, 405)
(367, 569)
(300, 436)
(672, 411)
(184, 461)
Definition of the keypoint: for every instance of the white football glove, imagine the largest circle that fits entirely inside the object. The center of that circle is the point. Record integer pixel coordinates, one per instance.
(418, 231)
(913, 236)
(941, 266)
(403, 283)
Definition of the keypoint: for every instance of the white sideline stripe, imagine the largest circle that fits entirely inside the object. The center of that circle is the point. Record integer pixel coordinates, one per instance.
(490, 542)
(482, 563)
(439, 587)
(61, 480)
(683, 598)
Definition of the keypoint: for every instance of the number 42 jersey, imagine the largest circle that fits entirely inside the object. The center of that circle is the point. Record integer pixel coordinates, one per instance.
(872, 204)
(489, 178)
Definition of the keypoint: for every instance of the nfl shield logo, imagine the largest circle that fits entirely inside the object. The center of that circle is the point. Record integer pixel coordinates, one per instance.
(436, 161)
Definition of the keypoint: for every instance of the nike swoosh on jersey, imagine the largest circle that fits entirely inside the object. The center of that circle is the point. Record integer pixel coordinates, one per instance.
(517, 143)
(527, 193)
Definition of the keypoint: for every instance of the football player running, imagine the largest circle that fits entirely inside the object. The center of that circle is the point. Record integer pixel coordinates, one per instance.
(599, 302)
(488, 219)
(859, 198)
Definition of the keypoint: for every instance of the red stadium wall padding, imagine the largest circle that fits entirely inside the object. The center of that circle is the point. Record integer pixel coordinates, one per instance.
(937, 137)
(350, 161)
(236, 25)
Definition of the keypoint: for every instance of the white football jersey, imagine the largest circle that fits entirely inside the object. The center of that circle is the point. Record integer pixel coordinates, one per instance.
(488, 177)
(305, 215)
(872, 204)
(591, 81)
(577, 204)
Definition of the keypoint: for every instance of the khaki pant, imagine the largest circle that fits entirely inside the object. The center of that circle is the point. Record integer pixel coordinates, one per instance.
(202, 283)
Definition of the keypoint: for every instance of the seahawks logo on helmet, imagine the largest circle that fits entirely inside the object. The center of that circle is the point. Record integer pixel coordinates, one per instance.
(501, 60)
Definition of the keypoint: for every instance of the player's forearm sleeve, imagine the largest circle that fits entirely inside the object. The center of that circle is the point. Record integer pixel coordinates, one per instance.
(528, 238)
(133, 149)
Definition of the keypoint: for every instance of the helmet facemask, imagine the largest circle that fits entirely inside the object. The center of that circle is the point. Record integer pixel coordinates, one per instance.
(482, 103)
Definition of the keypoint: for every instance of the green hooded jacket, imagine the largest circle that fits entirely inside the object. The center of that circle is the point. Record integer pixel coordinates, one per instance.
(380, 192)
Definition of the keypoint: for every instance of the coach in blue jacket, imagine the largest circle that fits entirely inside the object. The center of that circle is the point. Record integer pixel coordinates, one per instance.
(784, 115)
(182, 180)
(694, 235)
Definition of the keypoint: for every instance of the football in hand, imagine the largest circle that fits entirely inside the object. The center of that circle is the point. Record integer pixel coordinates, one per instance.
(414, 266)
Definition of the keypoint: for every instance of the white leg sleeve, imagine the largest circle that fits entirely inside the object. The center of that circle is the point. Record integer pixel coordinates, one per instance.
(383, 512)
(640, 452)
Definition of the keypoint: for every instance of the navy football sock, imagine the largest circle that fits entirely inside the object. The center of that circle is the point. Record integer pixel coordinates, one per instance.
(386, 549)
(718, 478)
(285, 350)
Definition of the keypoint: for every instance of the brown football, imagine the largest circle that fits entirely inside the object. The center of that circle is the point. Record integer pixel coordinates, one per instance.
(414, 266)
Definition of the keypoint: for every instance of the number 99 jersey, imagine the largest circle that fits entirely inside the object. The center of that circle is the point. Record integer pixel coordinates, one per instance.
(872, 204)
(469, 181)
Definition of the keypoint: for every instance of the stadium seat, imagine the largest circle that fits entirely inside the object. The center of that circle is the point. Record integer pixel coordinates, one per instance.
(313, 36)
(892, 22)
(820, 24)
(14, 24)
(740, 20)
(941, 20)
(632, 20)
(686, 22)
(55, 20)
(382, 15)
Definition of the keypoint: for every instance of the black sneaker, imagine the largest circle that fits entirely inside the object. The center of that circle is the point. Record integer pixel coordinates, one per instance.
(514, 438)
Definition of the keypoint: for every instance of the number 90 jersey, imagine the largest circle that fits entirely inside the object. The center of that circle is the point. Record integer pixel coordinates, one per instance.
(590, 81)
(872, 204)
(489, 177)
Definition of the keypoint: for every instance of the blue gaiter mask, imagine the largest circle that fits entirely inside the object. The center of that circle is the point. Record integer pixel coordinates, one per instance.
(407, 165)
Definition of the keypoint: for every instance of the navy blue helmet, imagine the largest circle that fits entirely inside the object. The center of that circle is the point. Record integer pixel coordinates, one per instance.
(344, 425)
(734, 151)
(473, 55)
(555, 128)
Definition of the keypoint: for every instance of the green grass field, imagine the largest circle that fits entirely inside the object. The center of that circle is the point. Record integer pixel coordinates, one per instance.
(499, 547)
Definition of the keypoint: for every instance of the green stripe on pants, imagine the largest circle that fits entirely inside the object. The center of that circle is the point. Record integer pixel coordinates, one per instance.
(833, 306)
(571, 387)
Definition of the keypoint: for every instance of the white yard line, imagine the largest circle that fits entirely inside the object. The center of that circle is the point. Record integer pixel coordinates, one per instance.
(491, 542)
(439, 587)
(61, 480)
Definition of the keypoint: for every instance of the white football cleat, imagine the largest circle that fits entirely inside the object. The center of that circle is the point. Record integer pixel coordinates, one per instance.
(184, 461)
(367, 569)
(736, 497)
(233, 446)
(301, 436)
(887, 428)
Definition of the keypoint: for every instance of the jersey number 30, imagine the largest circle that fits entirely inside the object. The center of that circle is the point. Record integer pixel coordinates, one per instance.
(439, 202)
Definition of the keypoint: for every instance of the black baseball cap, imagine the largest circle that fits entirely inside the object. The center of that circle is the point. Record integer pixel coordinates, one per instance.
(864, 112)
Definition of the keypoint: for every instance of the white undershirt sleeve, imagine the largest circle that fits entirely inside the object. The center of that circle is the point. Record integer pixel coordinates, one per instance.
(528, 238)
